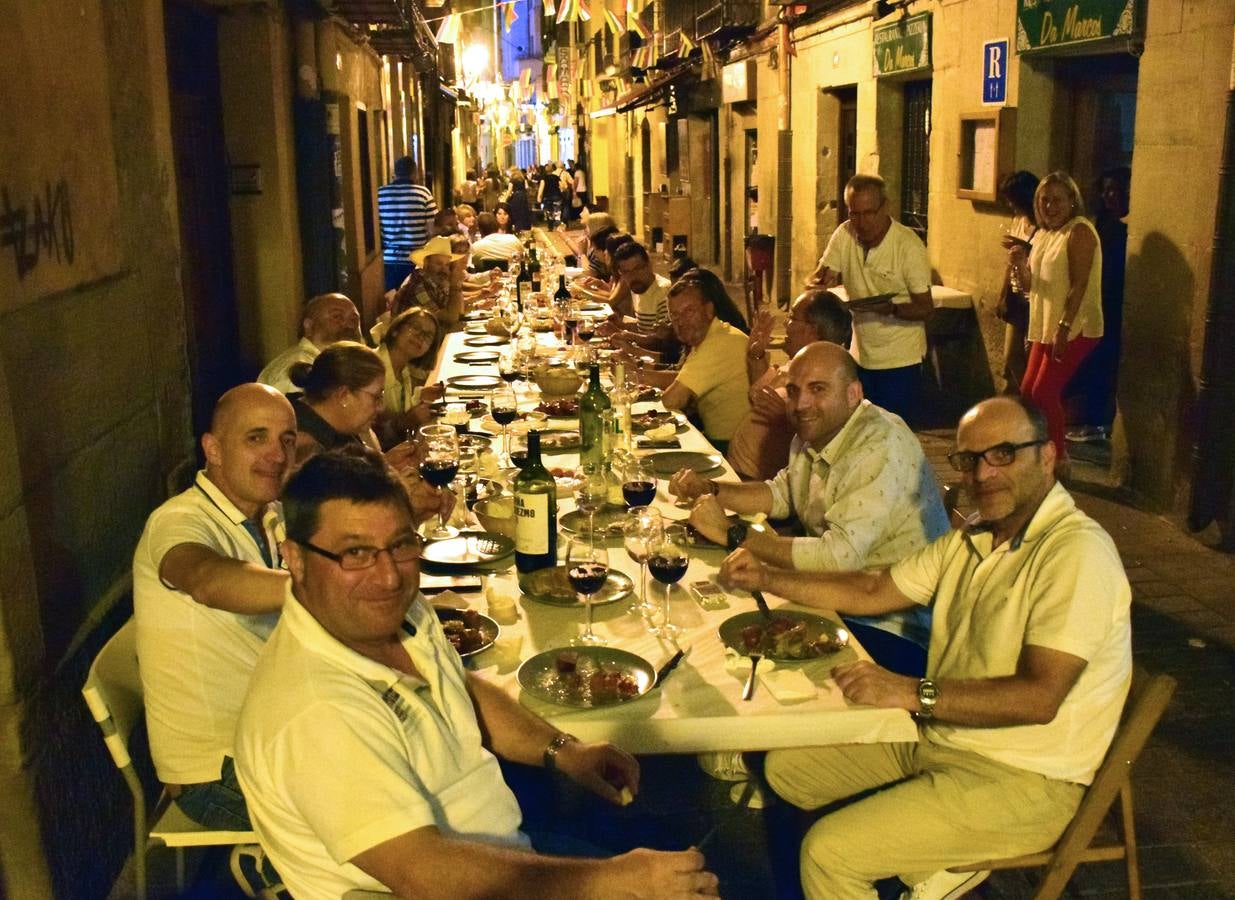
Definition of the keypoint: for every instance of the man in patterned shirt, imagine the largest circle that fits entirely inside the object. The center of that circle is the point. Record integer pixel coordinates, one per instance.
(857, 484)
(405, 211)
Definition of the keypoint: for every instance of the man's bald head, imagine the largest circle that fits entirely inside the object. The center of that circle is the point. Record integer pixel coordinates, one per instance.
(822, 392)
(1010, 415)
(251, 443)
(329, 318)
(241, 399)
(829, 357)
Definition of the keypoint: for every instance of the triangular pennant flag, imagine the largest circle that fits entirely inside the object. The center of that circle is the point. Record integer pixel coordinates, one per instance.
(550, 9)
(630, 8)
(512, 15)
(525, 79)
(709, 60)
(448, 31)
(686, 47)
(614, 23)
(637, 27)
(585, 12)
(565, 11)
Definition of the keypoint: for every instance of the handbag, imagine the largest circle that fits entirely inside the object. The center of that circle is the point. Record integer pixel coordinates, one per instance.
(1013, 306)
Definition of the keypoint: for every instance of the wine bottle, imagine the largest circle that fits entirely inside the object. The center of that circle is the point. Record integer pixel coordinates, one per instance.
(523, 288)
(533, 269)
(535, 514)
(561, 296)
(591, 405)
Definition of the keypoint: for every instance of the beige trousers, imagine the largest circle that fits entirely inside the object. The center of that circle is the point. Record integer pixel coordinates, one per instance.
(936, 807)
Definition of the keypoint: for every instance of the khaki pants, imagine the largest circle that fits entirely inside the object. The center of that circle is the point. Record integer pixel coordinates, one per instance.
(938, 807)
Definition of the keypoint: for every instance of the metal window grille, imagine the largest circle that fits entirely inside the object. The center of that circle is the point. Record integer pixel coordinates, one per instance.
(915, 173)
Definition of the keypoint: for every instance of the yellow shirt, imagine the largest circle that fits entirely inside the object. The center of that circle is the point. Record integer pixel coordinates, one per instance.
(402, 389)
(715, 372)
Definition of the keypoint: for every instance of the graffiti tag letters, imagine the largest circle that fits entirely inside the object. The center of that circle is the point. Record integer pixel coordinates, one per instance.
(40, 231)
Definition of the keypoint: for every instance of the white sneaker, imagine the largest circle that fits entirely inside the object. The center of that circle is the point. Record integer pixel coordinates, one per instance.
(946, 885)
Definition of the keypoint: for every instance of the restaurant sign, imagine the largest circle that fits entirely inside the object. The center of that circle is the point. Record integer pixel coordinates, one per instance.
(903, 46)
(1045, 24)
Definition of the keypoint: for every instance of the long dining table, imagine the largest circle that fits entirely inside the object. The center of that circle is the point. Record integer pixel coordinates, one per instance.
(698, 707)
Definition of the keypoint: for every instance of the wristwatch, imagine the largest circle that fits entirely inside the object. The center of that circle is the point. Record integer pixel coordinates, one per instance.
(550, 755)
(736, 535)
(928, 696)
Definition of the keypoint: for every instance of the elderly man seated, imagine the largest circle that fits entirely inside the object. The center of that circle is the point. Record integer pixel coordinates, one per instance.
(327, 318)
(430, 285)
(367, 749)
(712, 379)
(857, 483)
(760, 446)
(1029, 667)
(207, 588)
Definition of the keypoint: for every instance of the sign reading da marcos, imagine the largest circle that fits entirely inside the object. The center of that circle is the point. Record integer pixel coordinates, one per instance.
(1044, 24)
(903, 46)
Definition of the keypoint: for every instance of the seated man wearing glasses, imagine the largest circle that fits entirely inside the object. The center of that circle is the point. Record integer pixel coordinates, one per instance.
(1030, 663)
(367, 751)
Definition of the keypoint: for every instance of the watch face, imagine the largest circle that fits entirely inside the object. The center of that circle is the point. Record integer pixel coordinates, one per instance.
(928, 692)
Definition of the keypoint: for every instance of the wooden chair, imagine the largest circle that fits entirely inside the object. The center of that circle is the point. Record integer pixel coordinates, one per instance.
(1147, 701)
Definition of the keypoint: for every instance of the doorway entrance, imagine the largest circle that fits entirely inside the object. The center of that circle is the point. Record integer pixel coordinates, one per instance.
(846, 145)
(206, 274)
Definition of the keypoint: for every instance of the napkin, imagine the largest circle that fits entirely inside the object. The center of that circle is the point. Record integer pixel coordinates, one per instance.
(788, 685)
(739, 666)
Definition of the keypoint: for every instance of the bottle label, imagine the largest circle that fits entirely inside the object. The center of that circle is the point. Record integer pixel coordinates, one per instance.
(532, 523)
(525, 290)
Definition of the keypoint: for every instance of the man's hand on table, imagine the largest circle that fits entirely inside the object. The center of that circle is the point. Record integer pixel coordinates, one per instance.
(742, 570)
(654, 874)
(601, 768)
(708, 518)
(864, 682)
(687, 484)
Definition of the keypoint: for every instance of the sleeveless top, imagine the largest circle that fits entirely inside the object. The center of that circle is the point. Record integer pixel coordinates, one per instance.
(1048, 295)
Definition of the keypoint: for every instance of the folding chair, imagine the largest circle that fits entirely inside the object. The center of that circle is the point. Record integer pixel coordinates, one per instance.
(113, 691)
(1147, 701)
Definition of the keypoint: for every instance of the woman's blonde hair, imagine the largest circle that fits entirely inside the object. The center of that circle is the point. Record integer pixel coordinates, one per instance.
(1065, 181)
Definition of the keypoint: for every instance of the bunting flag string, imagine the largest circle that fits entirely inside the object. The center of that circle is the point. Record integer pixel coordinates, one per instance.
(642, 58)
(709, 60)
(550, 9)
(511, 15)
(686, 46)
(614, 23)
(637, 27)
(448, 31)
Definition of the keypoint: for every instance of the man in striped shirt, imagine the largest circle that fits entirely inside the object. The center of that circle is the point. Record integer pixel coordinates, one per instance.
(405, 210)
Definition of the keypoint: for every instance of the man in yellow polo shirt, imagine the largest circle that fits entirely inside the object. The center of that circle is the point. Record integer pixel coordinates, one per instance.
(1030, 662)
(713, 377)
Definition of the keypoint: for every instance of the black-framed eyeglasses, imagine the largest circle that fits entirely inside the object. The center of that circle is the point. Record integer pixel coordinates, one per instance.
(998, 455)
(404, 550)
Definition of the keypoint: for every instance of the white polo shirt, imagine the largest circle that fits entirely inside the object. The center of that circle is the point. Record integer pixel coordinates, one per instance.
(652, 306)
(897, 265)
(337, 753)
(1059, 585)
(276, 372)
(195, 661)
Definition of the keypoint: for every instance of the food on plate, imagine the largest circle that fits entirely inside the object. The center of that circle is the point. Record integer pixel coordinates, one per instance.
(463, 629)
(579, 680)
(653, 418)
(783, 638)
(561, 408)
(559, 440)
(647, 393)
(497, 327)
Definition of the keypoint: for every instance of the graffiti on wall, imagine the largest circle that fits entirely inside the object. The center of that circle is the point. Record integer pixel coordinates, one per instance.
(41, 230)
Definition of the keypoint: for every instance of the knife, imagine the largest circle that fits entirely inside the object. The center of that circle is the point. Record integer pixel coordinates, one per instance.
(762, 604)
(668, 667)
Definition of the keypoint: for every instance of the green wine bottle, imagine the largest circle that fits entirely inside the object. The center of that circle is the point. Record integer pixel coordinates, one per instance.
(535, 514)
(592, 405)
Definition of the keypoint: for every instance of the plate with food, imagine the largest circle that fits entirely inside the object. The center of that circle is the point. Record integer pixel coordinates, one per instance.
(562, 408)
(476, 356)
(474, 407)
(787, 635)
(587, 678)
(565, 479)
(559, 441)
(609, 520)
(552, 586)
(670, 462)
(485, 340)
(468, 549)
(475, 441)
(647, 394)
(468, 631)
(657, 418)
(475, 382)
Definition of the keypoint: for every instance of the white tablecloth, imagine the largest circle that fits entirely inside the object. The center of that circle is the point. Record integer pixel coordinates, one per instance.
(700, 706)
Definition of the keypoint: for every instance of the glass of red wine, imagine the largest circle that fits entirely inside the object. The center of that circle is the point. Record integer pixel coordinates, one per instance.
(504, 408)
(638, 483)
(439, 464)
(668, 559)
(587, 568)
(586, 328)
(643, 528)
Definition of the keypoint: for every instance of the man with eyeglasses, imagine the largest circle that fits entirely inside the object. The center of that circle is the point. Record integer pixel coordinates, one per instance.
(368, 752)
(872, 254)
(1029, 666)
(327, 318)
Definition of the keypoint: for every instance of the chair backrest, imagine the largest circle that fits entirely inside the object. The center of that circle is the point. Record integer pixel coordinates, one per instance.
(113, 691)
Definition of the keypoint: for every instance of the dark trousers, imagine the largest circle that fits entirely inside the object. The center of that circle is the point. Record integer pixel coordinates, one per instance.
(897, 390)
(217, 804)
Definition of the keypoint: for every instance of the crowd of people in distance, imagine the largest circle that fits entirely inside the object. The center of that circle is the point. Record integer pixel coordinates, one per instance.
(297, 681)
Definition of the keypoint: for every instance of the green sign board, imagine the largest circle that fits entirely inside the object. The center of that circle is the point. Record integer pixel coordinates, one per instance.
(1044, 24)
(903, 46)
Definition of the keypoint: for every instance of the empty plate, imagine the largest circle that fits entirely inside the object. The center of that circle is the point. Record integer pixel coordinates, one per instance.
(485, 340)
(668, 463)
(468, 549)
(475, 382)
(476, 356)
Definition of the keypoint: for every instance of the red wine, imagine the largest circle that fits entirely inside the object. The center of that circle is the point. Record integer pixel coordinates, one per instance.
(586, 331)
(504, 415)
(588, 578)
(572, 328)
(638, 493)
(667, 569)
(510, 376)
(439, 472)
(518, 457)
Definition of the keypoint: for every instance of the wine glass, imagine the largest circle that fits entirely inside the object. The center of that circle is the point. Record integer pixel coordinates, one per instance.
(638, 483)
(643, 527)
(439, 463)
(587, 568)
(504, 408)
(508, 366)
(668, 559)
(586, 328)
(591, 493)
(469, 474)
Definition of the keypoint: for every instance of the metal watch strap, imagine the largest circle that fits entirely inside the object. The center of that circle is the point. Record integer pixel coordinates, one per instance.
(550, 755)
(928, 696)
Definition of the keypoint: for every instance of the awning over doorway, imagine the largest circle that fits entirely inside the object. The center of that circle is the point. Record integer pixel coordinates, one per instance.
(648, 94)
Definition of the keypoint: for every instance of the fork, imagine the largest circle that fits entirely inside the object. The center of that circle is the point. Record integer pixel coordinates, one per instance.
(749, 690)
(487, 545)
